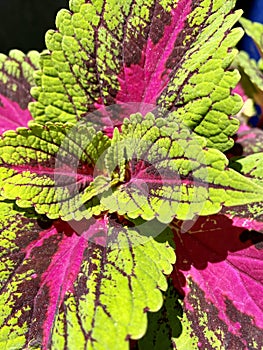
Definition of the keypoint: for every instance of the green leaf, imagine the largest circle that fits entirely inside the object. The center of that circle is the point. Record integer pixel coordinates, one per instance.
(122, 285)
(17, 75)
(111, 52)
(255, 31)
(252, 76)
(171, 172)
(43, 168)
(153, 169)
(164, 324)
(204, 101)
(17, 231)
(251, 166)
(251, 71)
(113, 284)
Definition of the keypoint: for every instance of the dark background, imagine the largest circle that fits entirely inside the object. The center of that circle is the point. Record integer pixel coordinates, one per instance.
(23, 23)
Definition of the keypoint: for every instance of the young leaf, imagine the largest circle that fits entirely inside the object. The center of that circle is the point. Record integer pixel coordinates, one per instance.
(171, 173)
(173, 54)
(60, 287)
(16, 80)
(219, 272)
(33, 174)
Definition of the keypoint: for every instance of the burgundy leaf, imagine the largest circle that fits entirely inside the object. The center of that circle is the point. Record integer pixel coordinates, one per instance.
(219, 271)
(16, 80)
(12, 115)
(176, 55)
(250, 140)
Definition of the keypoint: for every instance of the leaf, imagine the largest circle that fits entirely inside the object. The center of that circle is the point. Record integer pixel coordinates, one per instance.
(16, 80)
(60, 287)
(43, 168)
(171, 173)
(251, 141)
(200, 90)
(219, 272)
(251, 166)
(17, 232)
(255, 31)
(249, 216)
(152, 169)
(252, 76)
(173, 54)
(164, 324)
(251, 71)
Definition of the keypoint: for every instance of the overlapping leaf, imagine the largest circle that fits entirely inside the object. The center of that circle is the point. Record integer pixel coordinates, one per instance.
(16, 80)
(255, 31)
(33, 174)
(251, 141)
(164, 325)
(172, 173)
(171, 53)
(152, 169)
(59, 287)
(251, 70)
(249, 216)
(252, 77)
(89, 283)
(251, 166)
(219, 272)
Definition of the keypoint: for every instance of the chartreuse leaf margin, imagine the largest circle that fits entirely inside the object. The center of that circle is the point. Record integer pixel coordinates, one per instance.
(84, 292)
(171, 173)
(174, 54)
(29, 162)
(254, 30)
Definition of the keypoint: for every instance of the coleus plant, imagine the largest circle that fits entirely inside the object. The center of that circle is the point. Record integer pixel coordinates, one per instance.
(113, 167)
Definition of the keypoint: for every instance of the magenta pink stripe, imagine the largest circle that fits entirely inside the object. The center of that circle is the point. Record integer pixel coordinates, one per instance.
(12, 115)
(144, 82)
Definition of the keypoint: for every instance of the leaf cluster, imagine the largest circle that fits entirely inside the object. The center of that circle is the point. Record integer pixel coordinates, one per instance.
(114, 141)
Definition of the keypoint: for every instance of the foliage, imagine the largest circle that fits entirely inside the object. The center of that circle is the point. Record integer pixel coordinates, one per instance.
(116, 153)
